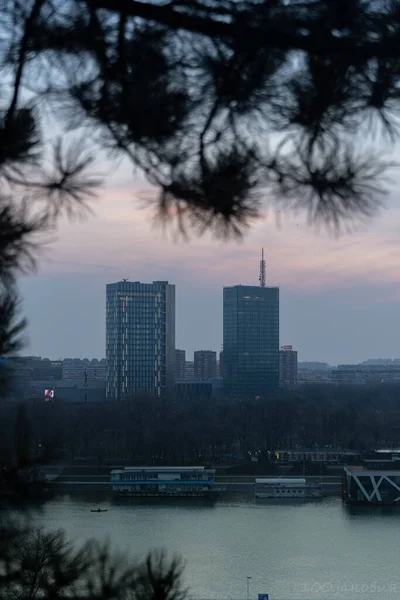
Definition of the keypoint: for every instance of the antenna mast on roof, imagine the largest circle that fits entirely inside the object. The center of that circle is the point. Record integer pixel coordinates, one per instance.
(262, 278)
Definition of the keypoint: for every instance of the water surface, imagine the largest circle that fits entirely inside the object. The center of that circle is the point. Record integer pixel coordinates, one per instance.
(291, 550)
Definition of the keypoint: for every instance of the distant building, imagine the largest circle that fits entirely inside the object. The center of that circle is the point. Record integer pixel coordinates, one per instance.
(19, 377)
(180, 360)
(69, 391)
(313, 366)
(379, 362)
(309, 373)
(23, 370)
(365, 374)
(193, 391)
(251, 340)
(189, 370)
(205, 364)
(40, 368)
(140, 338)
(313, 377)
(75, 368)
(217, 387)
(221, 364)
(287, 366)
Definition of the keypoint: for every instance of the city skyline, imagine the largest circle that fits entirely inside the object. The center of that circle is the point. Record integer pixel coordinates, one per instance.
(352, 280)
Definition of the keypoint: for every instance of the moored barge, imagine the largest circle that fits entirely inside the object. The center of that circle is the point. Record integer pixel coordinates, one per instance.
(161, 482)
(281, 488)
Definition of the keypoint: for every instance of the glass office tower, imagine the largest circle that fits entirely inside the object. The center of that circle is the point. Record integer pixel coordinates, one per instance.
(251, 342)
(140, 339)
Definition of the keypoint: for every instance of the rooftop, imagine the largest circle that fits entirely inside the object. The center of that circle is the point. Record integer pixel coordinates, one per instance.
(376, 471)
(160, 469)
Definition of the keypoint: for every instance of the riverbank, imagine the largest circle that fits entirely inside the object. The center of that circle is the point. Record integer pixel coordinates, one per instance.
(97, 478)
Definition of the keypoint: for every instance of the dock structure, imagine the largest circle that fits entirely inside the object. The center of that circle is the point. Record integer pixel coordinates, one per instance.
(375, 481)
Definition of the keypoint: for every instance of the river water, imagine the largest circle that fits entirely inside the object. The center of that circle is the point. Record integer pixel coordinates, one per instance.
(291, 550)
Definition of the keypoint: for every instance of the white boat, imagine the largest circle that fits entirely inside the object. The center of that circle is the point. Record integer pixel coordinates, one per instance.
(160, 482)
(280, 487)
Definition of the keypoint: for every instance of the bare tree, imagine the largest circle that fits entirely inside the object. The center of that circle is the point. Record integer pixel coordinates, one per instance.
(160, 577)
(35, 564)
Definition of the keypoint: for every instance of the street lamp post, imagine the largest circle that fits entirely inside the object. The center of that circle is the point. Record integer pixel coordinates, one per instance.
(248, 587)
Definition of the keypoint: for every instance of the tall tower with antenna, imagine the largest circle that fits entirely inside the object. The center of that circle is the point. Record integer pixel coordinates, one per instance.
(262, 278)
(251, 358)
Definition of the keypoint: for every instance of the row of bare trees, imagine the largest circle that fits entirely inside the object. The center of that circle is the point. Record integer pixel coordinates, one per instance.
(151, 430)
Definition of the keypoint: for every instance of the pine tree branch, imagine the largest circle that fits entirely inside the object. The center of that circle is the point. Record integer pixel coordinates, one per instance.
(30, 22)
(165, 15)
(286, 38)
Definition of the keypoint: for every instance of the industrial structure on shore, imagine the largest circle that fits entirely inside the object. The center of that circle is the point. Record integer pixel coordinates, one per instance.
(375, 480)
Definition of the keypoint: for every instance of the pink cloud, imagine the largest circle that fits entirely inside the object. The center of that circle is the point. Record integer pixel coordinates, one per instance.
(123, 237)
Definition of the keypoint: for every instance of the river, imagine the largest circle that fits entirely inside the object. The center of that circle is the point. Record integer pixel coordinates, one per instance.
(290, 550)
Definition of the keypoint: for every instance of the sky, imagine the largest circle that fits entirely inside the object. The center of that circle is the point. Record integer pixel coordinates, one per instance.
(339, 297)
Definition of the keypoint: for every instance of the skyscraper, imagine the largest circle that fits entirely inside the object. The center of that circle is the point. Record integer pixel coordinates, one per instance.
(205, 364)
(287, 366)
(251, 340)
(140, 338)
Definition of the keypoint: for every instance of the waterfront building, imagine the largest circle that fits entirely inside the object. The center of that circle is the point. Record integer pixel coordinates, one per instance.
(205, 364)
(251, 340)
(373, 481)
(319, 455)
(140, 339)
(180, 360)
(163, 481)
(287, 367)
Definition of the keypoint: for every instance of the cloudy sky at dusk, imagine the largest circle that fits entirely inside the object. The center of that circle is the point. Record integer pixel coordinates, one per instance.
(340, 298)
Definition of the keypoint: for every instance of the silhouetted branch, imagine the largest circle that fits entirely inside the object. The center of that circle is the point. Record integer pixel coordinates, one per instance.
(37, 564)
(11, 329)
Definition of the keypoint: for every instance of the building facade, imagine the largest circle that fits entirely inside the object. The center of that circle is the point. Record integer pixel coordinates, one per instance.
(287, 366)
(189, 370)
(193, 391)
(75, 368)
(140, 339)
(365, 375)
(205, 364)
(180, 360)
(251, 341)
(374, 481)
